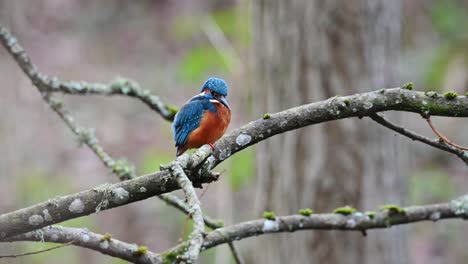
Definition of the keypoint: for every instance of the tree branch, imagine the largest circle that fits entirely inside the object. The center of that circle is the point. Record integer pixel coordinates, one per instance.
(86, 239)
(357, 221)
(336, 108)
(46, 84)
(463, 155)
(196, 237)
(100, 198)
(121, 167)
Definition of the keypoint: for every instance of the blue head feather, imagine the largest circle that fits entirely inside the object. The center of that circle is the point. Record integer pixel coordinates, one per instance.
(216, 85)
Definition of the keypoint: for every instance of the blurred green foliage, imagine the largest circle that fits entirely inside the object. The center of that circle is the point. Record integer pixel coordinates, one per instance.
(241, 168)
(235, 23)
(448, 18)
(430, 185)
(437, 70)
(199, 61)
(152, 159)
(203, 58)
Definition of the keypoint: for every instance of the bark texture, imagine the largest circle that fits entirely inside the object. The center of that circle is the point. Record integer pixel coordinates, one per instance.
(308, 50)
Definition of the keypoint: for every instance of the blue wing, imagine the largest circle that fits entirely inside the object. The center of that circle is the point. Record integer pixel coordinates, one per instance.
(189, 118)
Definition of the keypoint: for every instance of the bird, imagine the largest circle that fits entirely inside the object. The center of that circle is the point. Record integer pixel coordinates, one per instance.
(204, 118)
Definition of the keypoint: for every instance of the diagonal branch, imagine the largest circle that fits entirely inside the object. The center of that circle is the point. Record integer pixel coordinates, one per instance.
(121, 167)
(336, 108)
(46, 84)
(415, 136)
(103, 197)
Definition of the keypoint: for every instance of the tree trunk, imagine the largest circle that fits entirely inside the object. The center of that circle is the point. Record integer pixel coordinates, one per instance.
(310, 50)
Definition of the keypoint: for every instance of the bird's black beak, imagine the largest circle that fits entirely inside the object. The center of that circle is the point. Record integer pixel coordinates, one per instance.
(224, 101)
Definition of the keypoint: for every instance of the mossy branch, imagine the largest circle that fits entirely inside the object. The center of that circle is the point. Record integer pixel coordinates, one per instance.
(45, 83)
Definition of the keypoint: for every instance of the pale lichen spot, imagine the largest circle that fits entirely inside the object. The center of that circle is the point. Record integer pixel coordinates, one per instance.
(142, 189)
(224, 154)
(424, 102)
(54, 237)
(351, 223)
(460, 205)
(210, 159)
(270, 226)
(120, 195)
(35, 220)
(76, 206)
(85, 238)
(368, 105)
(243, 139)
(104, 244)
(435, 216)
(47, 216)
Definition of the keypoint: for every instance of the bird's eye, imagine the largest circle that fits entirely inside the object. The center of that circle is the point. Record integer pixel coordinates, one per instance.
(215, 94)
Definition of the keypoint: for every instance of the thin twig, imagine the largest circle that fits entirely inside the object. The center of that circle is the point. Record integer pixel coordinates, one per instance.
(444, 138)
(235, 253)
(463, 155)
(121, 168)
(36, 252)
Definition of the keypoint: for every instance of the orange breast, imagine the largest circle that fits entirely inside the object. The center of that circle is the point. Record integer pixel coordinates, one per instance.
(212, 127)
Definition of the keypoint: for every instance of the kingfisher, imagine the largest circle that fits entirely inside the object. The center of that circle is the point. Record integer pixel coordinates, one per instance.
(204, 118)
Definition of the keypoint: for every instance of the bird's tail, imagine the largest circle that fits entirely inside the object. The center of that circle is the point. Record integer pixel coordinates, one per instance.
(180, 150)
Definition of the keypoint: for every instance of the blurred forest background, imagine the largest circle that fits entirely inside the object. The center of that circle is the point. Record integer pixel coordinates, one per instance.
(171, 47)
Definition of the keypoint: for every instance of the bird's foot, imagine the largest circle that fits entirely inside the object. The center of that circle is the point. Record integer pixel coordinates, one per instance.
(212, 146)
